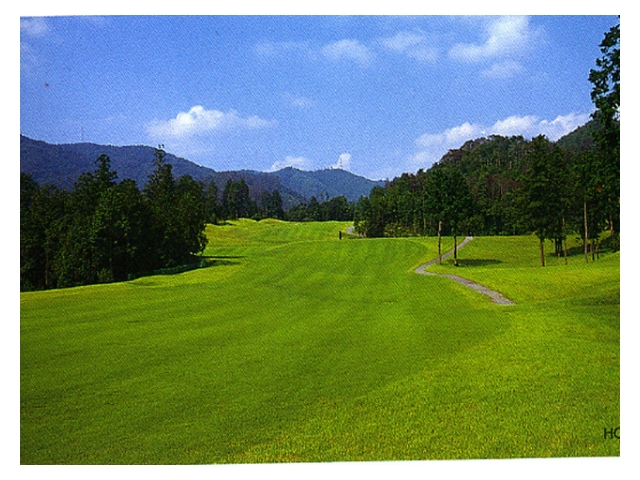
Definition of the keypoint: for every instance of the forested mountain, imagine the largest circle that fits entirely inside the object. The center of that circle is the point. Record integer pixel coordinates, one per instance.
(326, 184)
(582, 138)
(62, 165)
(508, 186)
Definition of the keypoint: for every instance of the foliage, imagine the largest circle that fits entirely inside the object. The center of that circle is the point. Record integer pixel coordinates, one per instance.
(336, 208)
(236, 202)
(472, 189)
(606, 78)
(105, 231)
(544, 192)
(605, 94)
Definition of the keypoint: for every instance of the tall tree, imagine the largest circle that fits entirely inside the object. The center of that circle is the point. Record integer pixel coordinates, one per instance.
(270, 205)
(457, 204)
(160, 194)
(543, 192)
(42, 226)
(605, 94)
(435, 200)
(212, 205)
(236, 201)
(191, 217)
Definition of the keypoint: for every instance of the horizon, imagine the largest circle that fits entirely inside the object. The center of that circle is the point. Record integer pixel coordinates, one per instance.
(332, 167)
(376, 96)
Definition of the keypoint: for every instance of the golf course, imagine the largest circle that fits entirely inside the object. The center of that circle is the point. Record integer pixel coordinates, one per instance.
(300, 344)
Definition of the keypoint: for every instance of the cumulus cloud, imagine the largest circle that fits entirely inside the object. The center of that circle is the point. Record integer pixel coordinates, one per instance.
(562, 125)
(343, 163)
(504, 36)
(432, 146)
(451, 136)
(351, 50)
(290, 161)
(198, 120)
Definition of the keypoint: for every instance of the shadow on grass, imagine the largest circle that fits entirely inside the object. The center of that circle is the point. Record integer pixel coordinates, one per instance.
(220, 260)
(475, 262)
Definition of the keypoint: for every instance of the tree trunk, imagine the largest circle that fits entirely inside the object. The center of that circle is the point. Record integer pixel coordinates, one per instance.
(542, 251)
(455, 249)
(586, 233)
(439, 238)
(611, 230)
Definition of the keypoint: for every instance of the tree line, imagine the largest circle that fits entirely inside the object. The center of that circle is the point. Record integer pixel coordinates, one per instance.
(236, 202)
(105, 230)
(503, 186)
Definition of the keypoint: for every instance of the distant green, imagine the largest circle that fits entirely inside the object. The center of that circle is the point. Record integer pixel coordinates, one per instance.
(296, 346)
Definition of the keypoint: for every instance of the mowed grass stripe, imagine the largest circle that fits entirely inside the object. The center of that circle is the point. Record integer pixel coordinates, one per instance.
(318, 349)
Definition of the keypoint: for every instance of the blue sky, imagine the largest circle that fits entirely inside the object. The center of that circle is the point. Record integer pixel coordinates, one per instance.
(376, 95)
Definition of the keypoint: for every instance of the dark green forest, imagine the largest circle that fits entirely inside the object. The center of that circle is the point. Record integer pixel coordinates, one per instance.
(104, 230)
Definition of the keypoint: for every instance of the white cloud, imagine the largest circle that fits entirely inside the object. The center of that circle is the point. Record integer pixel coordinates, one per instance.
(298, 101)
(515, 125)
(295, 162)
(343, 163)
(562, 125)
(403, 41)
(432, 146)
(451, 136)
(349, 50)
(503, 70)
(411, 43)
(198, 120)
(504, 37)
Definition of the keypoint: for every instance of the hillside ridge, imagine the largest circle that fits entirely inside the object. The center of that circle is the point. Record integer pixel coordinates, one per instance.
(62, 164)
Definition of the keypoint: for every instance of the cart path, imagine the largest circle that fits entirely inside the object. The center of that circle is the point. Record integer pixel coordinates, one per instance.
(495, 296)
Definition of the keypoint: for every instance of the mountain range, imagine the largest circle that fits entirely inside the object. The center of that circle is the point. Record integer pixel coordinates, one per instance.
(62, 164)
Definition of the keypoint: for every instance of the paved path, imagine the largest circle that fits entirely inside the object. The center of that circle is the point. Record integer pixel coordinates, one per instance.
(495, 296)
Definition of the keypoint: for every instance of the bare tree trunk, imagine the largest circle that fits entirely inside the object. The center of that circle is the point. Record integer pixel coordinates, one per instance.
(611, 224)
(455, 249)
(542, 251)
(439, 238)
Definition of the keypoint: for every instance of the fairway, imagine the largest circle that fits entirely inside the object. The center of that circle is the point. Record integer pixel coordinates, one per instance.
(296, 346)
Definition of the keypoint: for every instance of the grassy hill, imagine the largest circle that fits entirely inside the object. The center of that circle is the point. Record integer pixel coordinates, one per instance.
(296, 346)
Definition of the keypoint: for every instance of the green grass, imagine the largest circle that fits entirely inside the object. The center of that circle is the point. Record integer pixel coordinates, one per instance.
(295, 346)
